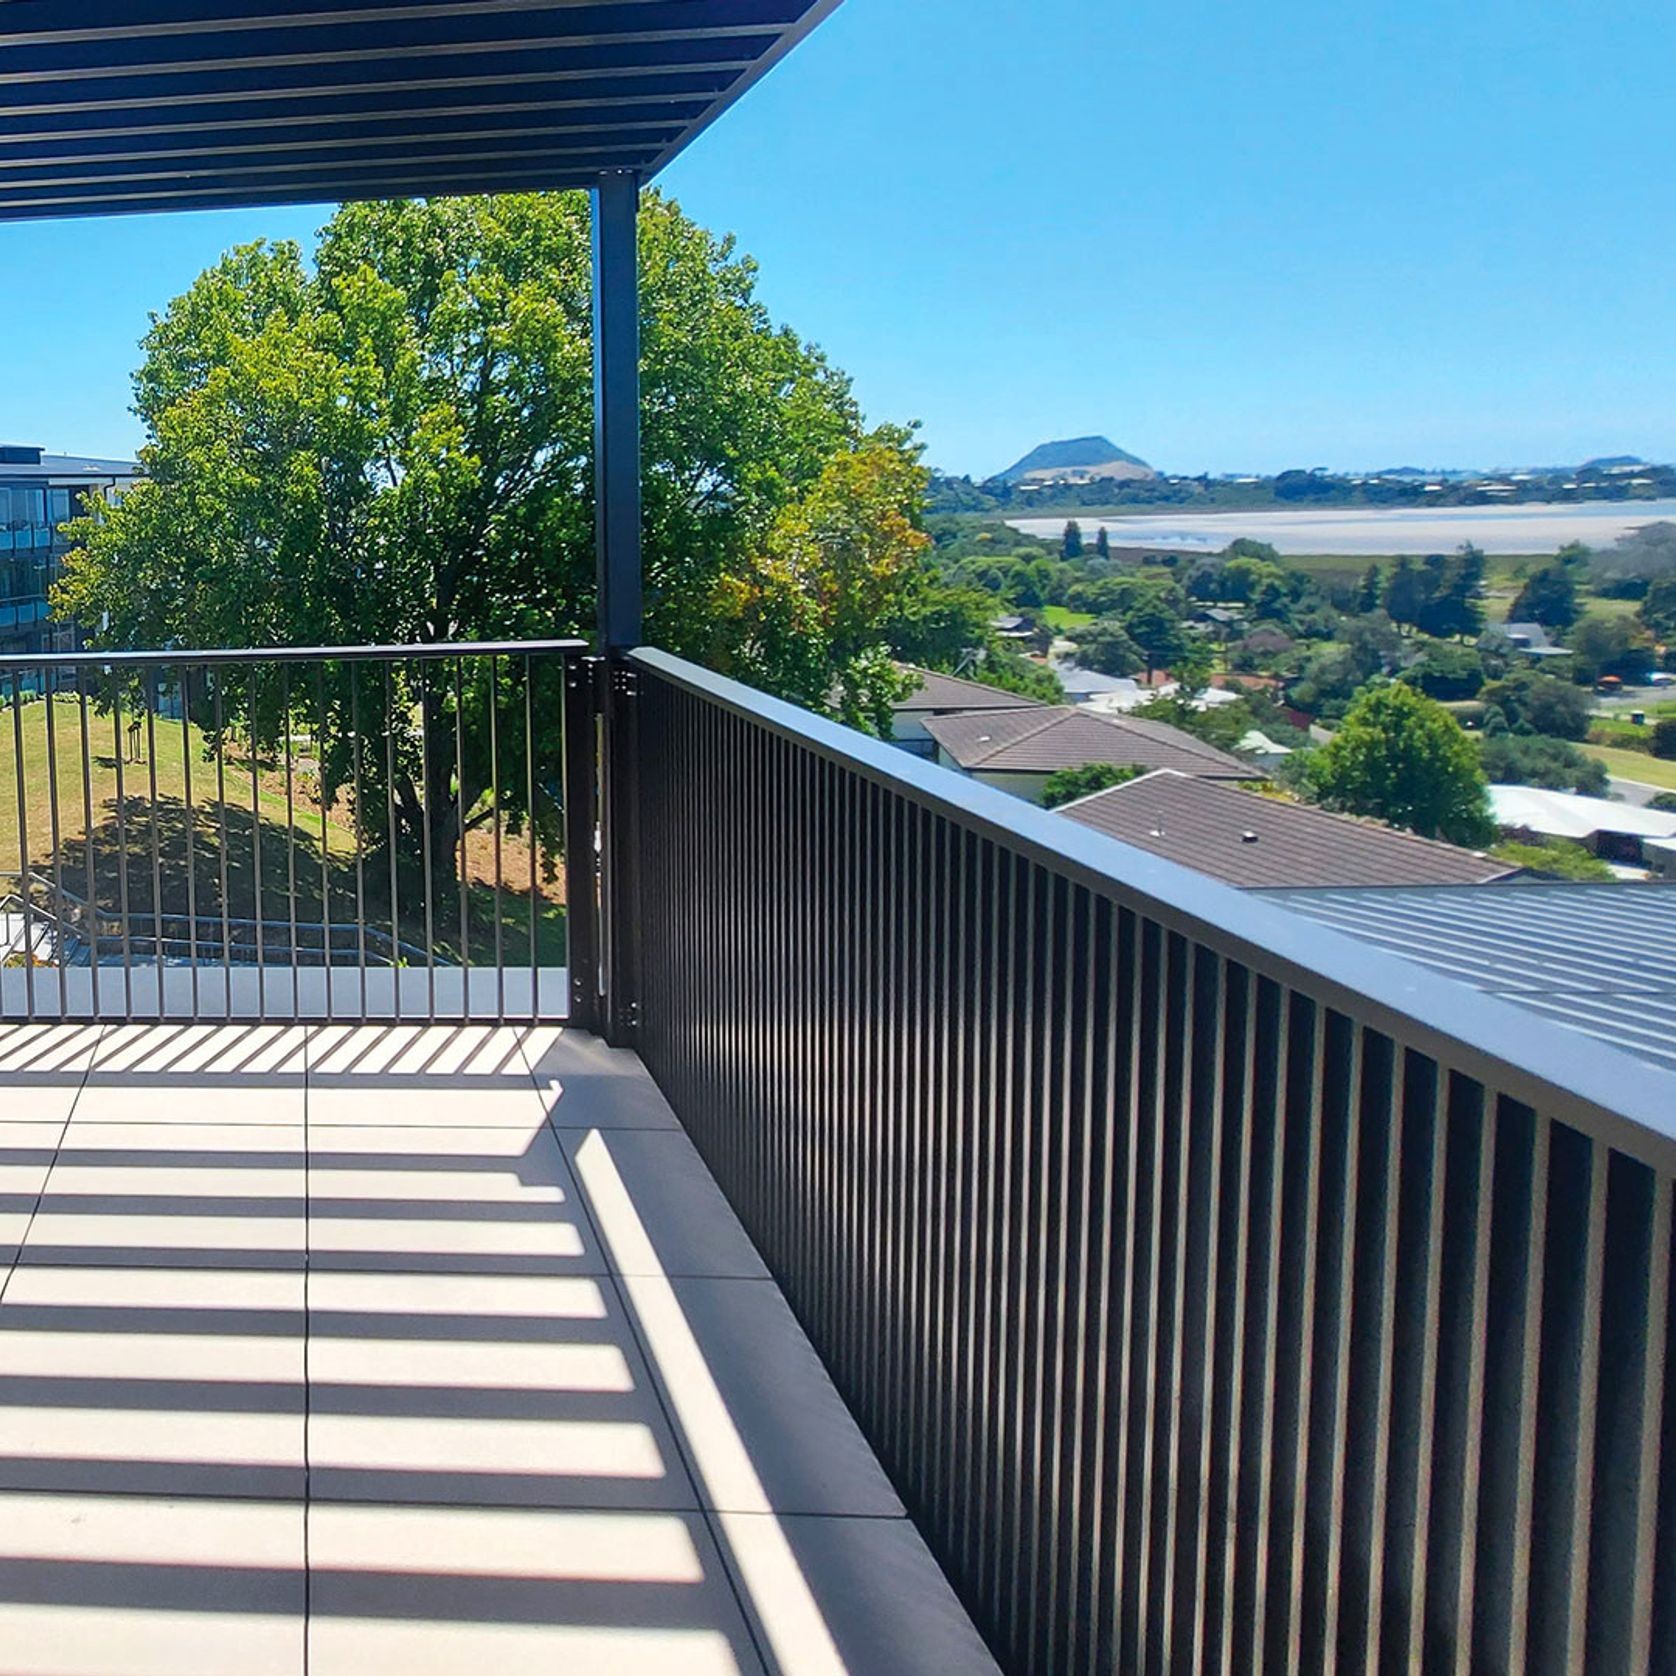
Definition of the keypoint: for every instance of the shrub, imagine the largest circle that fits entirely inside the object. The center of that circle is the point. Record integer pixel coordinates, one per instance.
(1065, 785)
(1664, 738)
(1513, 759)
(1554, 858)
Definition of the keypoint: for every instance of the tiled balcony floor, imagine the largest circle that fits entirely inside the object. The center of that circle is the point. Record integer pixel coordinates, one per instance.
(415, 1350)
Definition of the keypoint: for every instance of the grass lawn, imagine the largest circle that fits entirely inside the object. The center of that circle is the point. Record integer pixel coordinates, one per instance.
(1059, 617)
(1597, 605)
(1635, 765)
(112, 835)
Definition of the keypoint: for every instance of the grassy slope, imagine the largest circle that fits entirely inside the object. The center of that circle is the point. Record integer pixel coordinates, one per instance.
(1635, 765)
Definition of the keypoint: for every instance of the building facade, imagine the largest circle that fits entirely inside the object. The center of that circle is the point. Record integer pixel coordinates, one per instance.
(39, 493)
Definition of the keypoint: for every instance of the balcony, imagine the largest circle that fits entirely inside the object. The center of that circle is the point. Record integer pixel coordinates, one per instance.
(916, 1174)
(1210, 1291)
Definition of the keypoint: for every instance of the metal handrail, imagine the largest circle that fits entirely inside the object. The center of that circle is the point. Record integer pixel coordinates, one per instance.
(1589, 1083)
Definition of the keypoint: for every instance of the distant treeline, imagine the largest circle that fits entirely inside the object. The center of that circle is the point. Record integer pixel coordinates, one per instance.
(1306, 488)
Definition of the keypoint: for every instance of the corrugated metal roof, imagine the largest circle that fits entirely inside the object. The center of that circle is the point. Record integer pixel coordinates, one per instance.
(1255, 842)
(1064, 736)
(951, 692)
(125, 105)
(1598, 958)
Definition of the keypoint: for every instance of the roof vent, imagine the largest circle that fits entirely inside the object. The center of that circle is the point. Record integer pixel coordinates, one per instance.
(1248, 836)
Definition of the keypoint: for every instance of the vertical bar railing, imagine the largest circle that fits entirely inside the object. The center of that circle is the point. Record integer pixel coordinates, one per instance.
(237, 814)
(1218, 1298)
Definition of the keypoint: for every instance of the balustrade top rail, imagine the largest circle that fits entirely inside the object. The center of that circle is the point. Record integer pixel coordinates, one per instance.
(1609, 1094)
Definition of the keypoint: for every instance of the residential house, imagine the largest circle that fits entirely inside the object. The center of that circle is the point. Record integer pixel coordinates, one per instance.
(1016, 750)
(1532, 639)
(1257, 842)
(1612, 830)
(945, 695)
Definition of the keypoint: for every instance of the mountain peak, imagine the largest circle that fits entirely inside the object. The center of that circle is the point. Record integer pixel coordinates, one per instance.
(1076, 459)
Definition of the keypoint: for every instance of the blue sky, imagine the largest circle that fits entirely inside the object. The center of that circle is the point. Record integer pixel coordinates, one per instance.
(1230, 237)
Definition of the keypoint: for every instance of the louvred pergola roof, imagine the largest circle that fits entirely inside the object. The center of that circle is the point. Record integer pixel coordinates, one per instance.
(112, 106)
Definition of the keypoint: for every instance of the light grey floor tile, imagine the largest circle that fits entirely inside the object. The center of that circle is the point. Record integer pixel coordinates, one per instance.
(196, 1073)
(42, 1068)
(147, 1586)
(586, 1085)
(436, 1592)
(135, 1195)
(491, 1199)
(763, 1427)
(656, 1206)
(26, 1154)
(828, 1595)
(407, 1075)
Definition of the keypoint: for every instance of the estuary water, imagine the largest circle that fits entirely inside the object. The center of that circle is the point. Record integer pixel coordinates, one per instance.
(1373, 531)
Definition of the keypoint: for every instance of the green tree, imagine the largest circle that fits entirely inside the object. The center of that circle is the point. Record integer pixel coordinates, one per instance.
(1105, 647)
(1065, 785)
(1602, 645)
(1533, 703)
(1155, 626)
(1070, 544)
(1548, 597)
(1405, 592)
(1446, 670)
(1536, 759)
(395, 445)
(1102, 545)
(1401, 757)
(1658, 606)
(1370, 591)
(1452, 583)
(1007, 669)
(804, 618)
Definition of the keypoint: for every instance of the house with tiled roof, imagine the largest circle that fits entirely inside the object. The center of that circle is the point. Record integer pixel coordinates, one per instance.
(1016, 750)
(946, 695)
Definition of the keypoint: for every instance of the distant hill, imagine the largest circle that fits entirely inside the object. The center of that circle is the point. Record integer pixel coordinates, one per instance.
(1079, 459)
(1608, 462)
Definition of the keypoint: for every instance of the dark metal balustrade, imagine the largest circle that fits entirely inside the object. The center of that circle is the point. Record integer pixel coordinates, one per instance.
(307, 832)
(1220, 1295)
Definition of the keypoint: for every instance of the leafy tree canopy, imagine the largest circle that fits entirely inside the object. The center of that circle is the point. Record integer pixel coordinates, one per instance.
(1534, 703)
(1602, 645)
(1105, 647)
(803, 619)
(1402, 758)
(1535, 759)
(1065, 785)
(394, 443)
(1658, 606)
(1548, 597)
(397, 444)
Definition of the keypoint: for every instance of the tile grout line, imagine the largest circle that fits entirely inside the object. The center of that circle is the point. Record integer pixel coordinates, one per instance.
(718, 1537)
(57, 1147)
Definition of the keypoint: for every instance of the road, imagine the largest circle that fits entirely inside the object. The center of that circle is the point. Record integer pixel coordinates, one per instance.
(1637, 792)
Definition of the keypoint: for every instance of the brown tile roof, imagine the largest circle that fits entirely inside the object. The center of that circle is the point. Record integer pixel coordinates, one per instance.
(1244, 839)
(953, 692)
(1050, 737)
